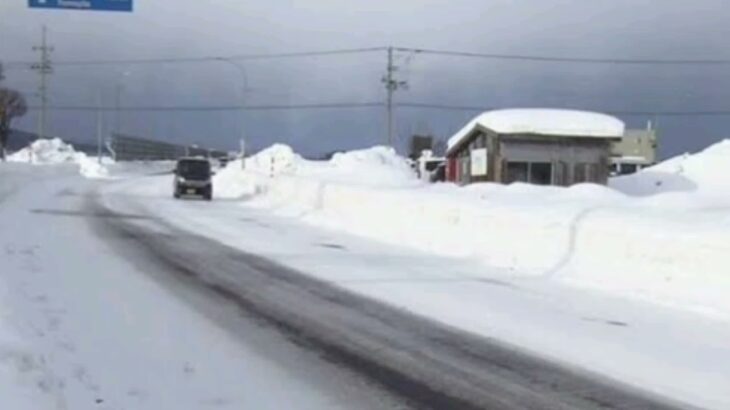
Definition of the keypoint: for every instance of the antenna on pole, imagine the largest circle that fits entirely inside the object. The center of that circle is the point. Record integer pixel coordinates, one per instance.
(391, 85)
(44, 68)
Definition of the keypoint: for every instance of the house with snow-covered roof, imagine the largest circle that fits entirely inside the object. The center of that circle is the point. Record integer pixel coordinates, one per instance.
(537, 146)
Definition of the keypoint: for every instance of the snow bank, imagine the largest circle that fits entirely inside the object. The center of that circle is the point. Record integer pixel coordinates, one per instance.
(46, 151)
(377, 167)
(55, 151)
(660, 248)
(275, 160)
(707, 172)
(545, 122)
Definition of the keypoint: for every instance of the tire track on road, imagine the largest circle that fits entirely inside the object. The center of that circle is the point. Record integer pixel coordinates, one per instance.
(429, 364)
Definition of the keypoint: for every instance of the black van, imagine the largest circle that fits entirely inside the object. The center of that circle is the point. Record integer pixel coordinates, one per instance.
(193, 177)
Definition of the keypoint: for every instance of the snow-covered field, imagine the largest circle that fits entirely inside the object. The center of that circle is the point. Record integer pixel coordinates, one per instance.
(660, 235)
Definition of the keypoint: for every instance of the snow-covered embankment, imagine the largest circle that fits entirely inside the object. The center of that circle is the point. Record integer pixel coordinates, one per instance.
(661, 235)
(54, 152)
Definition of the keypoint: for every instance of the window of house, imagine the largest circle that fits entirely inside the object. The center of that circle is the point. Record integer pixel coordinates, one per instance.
(538, 173)
(541, 173)
(517, 172)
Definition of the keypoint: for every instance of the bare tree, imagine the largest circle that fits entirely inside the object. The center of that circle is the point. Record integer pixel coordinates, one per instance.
(12, 105)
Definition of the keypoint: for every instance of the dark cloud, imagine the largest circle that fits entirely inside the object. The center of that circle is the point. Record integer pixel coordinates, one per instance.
(174, 28)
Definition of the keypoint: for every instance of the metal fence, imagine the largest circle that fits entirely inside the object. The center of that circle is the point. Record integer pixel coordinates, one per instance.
(129, 148)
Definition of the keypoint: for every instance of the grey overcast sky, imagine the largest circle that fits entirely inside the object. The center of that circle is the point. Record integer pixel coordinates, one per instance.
(666, 29)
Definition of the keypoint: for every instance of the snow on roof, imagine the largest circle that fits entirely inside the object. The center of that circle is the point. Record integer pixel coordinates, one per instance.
(544, 121)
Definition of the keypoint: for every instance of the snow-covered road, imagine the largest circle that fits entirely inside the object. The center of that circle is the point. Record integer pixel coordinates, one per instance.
(123, 295)
(87, 322)
(636, 343)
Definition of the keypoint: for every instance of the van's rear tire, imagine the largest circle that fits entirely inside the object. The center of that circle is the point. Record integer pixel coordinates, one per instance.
(208, 194)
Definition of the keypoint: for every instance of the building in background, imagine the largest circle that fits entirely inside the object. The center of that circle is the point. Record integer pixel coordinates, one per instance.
(537, 146)
(636, 150)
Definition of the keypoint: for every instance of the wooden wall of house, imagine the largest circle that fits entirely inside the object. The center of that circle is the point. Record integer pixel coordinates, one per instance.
(575, 159)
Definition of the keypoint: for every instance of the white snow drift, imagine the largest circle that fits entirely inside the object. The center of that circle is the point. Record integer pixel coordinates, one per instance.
(705, 173)
(55, 151)
(660, 235)
(544, 121)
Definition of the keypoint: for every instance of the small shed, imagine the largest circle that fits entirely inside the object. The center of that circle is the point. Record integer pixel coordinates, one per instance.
(537, 146)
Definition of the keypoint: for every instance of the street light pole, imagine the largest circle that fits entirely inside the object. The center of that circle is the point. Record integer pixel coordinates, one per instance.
(99, 126)
(244, 76)
(118, 101)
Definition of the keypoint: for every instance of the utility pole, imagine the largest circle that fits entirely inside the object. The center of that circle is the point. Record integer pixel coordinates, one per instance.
(118, 108)
(391, 86)
(99, 127)
(44, 68)
(118, 90)
(242, 147)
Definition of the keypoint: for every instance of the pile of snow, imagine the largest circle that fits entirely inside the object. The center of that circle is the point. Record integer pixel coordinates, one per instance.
(377, 167)
(275, 160)
(46, 151)
(233, 182)
(706, 172)
(380, 166)
(544, 121)
(658, 247)
(91, 168)
(54, 152)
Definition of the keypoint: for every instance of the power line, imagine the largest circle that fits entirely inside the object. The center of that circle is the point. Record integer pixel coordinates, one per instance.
(271, 107)
(677, 113)
(308, 53)
(558, 59)
(350, 105)
(204, 59)
(344, 51)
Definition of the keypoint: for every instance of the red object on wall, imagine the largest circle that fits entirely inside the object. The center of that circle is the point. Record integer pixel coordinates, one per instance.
(451, 169)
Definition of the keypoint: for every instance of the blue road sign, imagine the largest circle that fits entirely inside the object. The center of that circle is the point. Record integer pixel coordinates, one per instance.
(104, 5)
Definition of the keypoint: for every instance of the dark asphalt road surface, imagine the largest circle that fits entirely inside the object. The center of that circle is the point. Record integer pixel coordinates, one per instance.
(428, 364)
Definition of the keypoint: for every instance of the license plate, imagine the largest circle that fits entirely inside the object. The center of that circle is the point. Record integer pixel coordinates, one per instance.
(191, 191)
